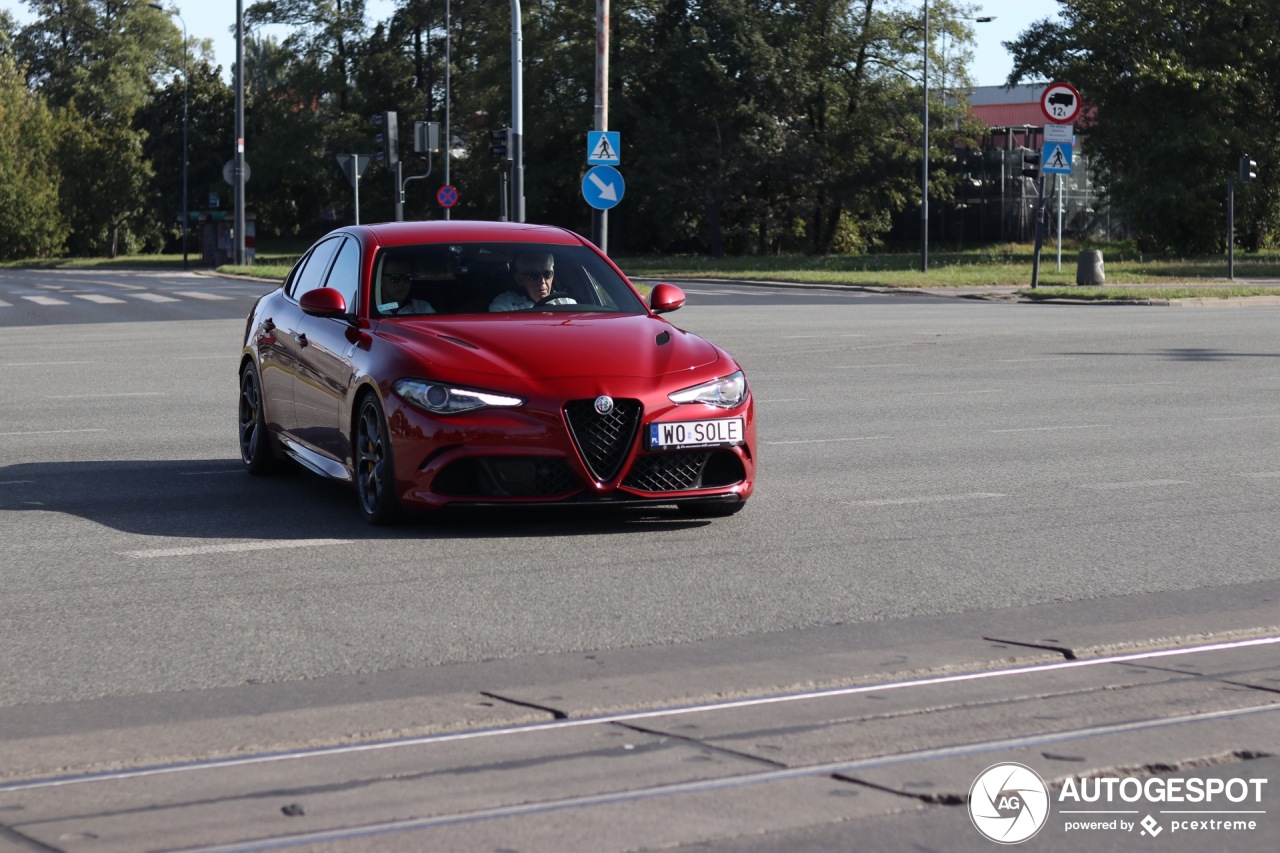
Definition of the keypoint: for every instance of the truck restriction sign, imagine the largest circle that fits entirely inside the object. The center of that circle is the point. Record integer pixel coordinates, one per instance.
(1060, 103)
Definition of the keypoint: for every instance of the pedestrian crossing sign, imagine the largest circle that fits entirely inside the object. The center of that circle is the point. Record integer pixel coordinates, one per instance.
(604, 148)
(1056, 159)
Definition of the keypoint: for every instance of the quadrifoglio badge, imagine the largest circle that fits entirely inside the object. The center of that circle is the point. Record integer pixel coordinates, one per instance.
(1009, 803)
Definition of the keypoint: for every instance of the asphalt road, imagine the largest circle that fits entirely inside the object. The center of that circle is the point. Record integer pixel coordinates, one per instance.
(945, 486)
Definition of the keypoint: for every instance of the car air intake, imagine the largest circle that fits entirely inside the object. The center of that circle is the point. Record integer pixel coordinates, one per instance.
(603, 439)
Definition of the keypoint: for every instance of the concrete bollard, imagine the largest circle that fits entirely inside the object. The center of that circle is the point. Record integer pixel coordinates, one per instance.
(1089, 268)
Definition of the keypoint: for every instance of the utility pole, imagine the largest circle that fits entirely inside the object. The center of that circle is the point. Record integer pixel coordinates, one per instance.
(239, 167)
(517, 115)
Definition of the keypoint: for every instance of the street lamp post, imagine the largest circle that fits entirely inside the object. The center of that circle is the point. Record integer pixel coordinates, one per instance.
(924, 159)
(186, 215)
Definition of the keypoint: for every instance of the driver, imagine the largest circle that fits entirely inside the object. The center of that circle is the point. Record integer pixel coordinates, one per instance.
(535, 273)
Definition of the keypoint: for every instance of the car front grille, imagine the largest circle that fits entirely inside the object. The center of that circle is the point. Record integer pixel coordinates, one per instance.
(603, 440)
(685, 470)
(506, 477)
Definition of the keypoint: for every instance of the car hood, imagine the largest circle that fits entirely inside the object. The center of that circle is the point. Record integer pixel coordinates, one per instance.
(554, 346)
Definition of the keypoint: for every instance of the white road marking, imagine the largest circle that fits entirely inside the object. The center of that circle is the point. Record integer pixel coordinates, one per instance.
(100, 298)
(866, 366)
(4, 304)
(928, 499)
(234, 547)
(953, 393)
(828, 440)
(200, 294)
(1048, 428)
(51, 431)
(1034, 360)
(101, 396)
(16, 482)
(43, 363)
(46, 300)
(1243, 418)
(1260, 474)
(786, 337)
(153, 297)
(1135, 484)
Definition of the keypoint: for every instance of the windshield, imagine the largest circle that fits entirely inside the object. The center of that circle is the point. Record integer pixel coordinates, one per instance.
(476, 278)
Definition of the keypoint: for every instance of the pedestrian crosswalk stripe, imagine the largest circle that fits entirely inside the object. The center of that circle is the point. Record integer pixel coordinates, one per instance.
(200, 294)
(4, 304)
(100, 298)
(153, 297)
(45, 300)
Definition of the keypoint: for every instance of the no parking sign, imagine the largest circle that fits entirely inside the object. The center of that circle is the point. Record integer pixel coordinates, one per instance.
(447, 196)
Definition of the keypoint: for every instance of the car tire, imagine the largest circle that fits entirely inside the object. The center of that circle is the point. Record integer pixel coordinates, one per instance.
(374, 470)
(255, 444)
(711, 510)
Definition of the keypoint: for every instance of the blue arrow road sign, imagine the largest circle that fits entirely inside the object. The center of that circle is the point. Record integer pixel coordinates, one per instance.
(604, 147)
(603, 187)
(1056, 159)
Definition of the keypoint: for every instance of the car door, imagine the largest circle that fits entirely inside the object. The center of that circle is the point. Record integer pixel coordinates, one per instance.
(325, 346)
(286, 320)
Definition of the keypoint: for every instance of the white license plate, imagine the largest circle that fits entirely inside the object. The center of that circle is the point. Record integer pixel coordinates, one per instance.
(715, 433)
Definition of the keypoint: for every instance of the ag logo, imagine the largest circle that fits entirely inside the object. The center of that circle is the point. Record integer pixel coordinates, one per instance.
(1008, 803)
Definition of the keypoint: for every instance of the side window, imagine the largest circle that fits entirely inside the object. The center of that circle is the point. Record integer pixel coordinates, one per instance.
(345, 275)
(313, 269)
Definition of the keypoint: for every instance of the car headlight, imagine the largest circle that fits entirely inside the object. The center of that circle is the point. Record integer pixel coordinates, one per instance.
(725, 393)
(445, 399)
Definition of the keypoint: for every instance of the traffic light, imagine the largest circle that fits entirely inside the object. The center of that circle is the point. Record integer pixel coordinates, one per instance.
(501, 139)
(388, 137)
(1248, 169)
(1030, 163)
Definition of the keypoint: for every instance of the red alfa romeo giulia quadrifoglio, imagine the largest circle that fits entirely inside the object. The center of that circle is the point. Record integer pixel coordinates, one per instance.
(478, 363)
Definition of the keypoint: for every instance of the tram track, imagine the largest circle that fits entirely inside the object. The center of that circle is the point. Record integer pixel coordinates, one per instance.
(562, 767)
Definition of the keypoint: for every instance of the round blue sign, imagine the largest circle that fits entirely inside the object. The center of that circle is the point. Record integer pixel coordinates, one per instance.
(603, 187)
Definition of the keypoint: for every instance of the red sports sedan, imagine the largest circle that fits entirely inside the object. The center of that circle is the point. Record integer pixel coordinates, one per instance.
(480, 363)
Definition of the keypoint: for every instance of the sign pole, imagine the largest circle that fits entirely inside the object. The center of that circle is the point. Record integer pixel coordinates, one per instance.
(1059, 223)
(601, 218)
(1231, 228)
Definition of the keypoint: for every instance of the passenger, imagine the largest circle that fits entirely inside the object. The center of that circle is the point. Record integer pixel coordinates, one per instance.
(535, 273)
(396, 281)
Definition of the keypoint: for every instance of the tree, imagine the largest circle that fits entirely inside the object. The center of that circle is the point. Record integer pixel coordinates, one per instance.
(98, 59)
(30, 222)
(1174, 92)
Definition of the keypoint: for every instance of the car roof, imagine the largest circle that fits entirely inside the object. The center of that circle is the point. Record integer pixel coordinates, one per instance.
(464, 231)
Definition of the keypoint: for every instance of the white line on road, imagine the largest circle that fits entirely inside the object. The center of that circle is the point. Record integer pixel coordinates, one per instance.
(1046, 429)
(866, 366)
(823, 336)
(953, 393)
(51, 431)
(1260, 474)
(153, 297)
(828, 440)
(43, 363)
(46, 300)
(928, 499)
(1243, 418)
(99, 396)
(100, 298)
(234, 547)
(16, 482)
(200, 294)
(1135, 484)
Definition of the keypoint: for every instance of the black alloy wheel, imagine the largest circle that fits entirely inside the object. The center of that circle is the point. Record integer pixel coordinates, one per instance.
(375, 475)
(255, 446)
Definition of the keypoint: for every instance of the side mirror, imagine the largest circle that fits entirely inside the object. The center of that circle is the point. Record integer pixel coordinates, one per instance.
(323, 302)
(665, 297)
